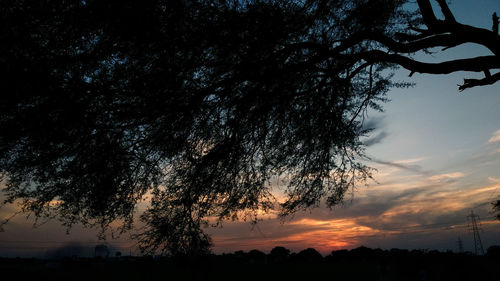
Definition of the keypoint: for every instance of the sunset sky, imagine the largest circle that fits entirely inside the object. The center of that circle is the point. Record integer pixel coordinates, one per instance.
(437, 152)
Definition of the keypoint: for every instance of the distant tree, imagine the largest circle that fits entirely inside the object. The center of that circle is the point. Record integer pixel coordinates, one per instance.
(496, 208)
(493, 252)
(280, 251)
(198, 104)
(101, 251)
(337, 255)
(362, 253)
(309, 255)
(256, 256)
(279, 254)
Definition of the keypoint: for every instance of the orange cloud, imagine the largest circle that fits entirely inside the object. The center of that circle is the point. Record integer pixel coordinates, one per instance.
(445, 177)
(331, 234)
(411, 161)
(323, 235)
(495, 137)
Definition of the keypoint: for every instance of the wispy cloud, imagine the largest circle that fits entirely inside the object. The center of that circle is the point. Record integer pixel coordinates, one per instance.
(411, 160)
(403, 165)
(494, 180)
(421, 209)
(430, 209)
(375, 124)
(495, 137)
(376, 139)
(449, 177)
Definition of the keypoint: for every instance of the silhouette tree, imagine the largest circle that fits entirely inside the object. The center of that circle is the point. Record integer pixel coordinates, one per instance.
(309, 255)
(496, 208)
(198, 104)
(279, 254)
(434, 32)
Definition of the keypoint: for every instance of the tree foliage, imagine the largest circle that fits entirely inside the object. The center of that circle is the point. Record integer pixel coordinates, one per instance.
(496, 208)
(197, 105)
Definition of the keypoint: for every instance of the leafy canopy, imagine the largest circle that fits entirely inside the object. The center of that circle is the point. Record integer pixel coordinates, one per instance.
(194, 104)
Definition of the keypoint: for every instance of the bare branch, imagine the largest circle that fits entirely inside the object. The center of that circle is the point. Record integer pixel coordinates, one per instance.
(488, 80)
(446, 34)
(477, 64)
(440, 40)
(495, 23)
(427, 13)
(448, 15)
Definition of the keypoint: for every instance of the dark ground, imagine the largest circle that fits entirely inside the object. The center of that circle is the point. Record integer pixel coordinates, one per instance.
(358, 264)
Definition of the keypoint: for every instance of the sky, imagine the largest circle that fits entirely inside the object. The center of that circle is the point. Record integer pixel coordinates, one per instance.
(437, 155)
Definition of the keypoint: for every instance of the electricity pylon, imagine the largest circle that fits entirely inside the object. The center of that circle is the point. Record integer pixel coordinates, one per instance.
(473, 226)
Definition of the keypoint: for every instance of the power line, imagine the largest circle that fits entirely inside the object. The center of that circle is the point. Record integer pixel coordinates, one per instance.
(473, 226)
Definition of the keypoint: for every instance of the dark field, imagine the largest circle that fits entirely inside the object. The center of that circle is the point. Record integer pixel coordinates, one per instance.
(358, 264)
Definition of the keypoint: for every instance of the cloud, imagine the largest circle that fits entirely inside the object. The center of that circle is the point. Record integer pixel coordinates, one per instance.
(419, 210)
(323, 234)
(494, 180)
(401, 165)
(495, 137)
(375, 124)
(376, 139)
(423, 212)
(411, 160)
(449, 177)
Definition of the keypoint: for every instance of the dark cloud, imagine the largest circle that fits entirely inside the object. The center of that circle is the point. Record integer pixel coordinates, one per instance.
(363, 208)
(411, 168)
(376, 139)
(376, 126)
(374, 123)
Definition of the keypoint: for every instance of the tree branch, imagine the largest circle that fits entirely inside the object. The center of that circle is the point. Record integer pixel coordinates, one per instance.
(487, 80)
(447, 34)
(440, 40)
(477, 64)
(448, 15)
(427, 13)
(495, 20)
